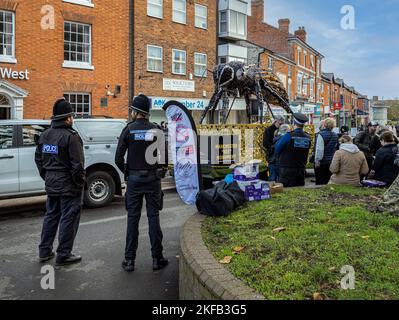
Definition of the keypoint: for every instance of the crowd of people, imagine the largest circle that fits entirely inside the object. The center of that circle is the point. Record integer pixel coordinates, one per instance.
(337, 158)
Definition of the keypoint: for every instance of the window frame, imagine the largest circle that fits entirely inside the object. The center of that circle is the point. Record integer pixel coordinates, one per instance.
(85, 3)
(299, 80)
(148, 57)
(174, 10)
(4, 57)
(21, 129)
(14, 136)
(299, 50)
(80, 64)
(226, 21)
(82, 94)
(199, 64)
(149, 2)
(198, 16)
(271, 63)
(175, 61)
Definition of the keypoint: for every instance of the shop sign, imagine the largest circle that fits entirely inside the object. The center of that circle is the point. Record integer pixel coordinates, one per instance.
(308, 109)
(190, 104)
(178, 85)
(337, 106)
(9, 73)
(296, 109)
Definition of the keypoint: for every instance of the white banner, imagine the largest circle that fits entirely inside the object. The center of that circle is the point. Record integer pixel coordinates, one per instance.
(184, 149)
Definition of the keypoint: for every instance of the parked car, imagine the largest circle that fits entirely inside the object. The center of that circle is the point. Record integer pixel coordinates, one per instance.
(18, 173)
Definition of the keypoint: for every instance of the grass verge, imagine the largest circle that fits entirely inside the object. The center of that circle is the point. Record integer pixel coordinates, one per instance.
(295, 245)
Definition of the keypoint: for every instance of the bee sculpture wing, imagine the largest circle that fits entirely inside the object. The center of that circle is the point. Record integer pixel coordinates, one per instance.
(274, 90)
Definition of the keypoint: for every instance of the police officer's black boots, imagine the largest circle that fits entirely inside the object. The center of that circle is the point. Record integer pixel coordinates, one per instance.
(47, 258)
(72, 259)
(159, 263)
(128, 265)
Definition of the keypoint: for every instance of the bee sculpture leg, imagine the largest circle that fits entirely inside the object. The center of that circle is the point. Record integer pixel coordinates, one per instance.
(212, 105)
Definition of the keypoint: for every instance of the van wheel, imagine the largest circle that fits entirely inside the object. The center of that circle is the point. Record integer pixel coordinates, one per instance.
(100, 189)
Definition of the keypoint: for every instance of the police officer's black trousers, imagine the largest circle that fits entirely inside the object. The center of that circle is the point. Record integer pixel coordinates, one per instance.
(292, 177)
(65, 213)
(137, 188)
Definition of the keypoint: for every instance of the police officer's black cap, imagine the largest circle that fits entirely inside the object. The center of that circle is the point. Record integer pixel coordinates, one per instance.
(62, 109)
(141, 104)
(300, 119)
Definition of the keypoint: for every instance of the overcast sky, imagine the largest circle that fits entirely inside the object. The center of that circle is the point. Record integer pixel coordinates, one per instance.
(367, 57)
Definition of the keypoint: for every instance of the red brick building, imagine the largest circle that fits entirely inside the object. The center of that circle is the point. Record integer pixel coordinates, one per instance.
(73, 48)
(174, 46)
(305, 76)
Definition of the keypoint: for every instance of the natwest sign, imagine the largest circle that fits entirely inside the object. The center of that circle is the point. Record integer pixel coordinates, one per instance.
(9, 73)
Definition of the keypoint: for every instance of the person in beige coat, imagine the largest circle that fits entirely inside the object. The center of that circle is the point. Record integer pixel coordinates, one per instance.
(348, 164)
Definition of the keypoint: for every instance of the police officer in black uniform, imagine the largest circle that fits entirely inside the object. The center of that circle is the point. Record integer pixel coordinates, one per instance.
(143, 172)
(293, 150)
(60, 160)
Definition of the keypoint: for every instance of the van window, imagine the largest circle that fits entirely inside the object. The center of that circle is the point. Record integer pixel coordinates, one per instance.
(31, 134)
(99, 131)
(6, 137)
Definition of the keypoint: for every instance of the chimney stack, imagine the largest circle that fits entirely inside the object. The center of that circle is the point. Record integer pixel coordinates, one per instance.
(284, 25)
(257, 10)
(301, 33)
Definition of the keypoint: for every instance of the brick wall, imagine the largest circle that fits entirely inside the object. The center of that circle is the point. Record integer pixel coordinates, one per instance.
(42, 53)
(171, 35)
(264, 34)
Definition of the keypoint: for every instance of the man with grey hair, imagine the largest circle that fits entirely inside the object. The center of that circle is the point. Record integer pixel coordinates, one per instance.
(269, 134)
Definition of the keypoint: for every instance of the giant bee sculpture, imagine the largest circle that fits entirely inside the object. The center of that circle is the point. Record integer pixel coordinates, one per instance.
(235, 79)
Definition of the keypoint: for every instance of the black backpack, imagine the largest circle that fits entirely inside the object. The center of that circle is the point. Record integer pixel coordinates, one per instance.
(221, 200)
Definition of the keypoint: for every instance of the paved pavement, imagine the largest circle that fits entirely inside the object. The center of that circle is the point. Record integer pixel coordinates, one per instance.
(100, 241)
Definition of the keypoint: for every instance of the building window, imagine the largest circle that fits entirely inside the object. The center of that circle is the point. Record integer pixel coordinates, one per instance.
(223, 22)
(238, 23)
(299, 57)
(305, 55)
(227, 59)
(155, 8)
(201, 16)
(271, 63)
(80, 102)
(289, 71)
(312, 88)
(200, 64)
(77, 43)
(179, 11)
(312, 61)
(179, 62)
(299, 84)
(319, 68)
(154, 59)
(7, 34)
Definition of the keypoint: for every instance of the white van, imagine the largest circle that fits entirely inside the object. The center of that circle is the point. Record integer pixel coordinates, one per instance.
(19, 176)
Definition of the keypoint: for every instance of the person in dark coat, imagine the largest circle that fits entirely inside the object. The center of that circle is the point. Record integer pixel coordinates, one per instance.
(269, 135)
(325, 147)
(143, 180)
(384, 168)
(293, 151)
(274, 159)
(364, 141)
(59, 158)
